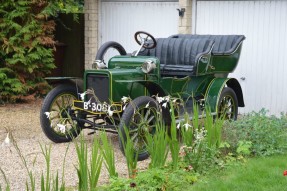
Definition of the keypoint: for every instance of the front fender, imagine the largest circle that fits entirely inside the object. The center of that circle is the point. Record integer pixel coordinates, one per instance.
(215, 88)
(153, 88)
(66, 80)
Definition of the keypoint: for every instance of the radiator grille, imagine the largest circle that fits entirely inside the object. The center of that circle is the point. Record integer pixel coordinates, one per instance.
(100, 84)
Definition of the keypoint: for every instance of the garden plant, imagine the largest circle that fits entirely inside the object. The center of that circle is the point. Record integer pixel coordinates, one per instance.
(205, 145)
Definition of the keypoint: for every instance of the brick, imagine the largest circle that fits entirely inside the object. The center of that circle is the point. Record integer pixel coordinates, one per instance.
(93, 17)
(185, 3)
(184, 30)
(93, 24)
(93, 40)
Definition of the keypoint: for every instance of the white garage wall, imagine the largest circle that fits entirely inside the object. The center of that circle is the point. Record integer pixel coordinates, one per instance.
(120, 20)
(263, 61)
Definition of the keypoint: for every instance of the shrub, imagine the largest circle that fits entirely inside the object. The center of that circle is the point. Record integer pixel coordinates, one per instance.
(27, 43)
(200, 151)
(265, 134)
(154, 179)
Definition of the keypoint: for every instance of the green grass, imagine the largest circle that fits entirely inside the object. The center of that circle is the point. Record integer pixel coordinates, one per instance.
(256, 174)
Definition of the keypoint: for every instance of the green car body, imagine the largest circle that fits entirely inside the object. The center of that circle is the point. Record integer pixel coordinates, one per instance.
(126, 78)
(193, 68)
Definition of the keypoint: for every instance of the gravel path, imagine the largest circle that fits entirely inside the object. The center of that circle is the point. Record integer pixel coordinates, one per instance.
(22, 120)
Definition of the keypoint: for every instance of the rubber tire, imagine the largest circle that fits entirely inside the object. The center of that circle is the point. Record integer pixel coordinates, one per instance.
(128, 114)
(229, 92)
(45, 122)
(111, 44)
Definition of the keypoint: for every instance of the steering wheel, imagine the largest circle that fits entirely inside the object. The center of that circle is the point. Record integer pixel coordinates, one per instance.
(147, 39)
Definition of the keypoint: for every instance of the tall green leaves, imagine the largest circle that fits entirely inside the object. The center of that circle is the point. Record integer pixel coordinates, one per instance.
(88, 174)
(107, 150)
(130, 153)
(157, 146)
(174, 142)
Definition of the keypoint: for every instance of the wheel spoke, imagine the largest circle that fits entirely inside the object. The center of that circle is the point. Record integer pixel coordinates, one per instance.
(151, 128)
(54, 109)
(147, 114)
(54, 117)
(133, 131)
(56, 101)
(143, 144)
(134, 124)
(142, 112)
(62, 101)
(136, 141)
(69, 100)
(150, 119)
(134, 136)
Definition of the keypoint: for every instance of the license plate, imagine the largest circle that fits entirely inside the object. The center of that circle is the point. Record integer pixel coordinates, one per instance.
(95, 107)
(92, 106)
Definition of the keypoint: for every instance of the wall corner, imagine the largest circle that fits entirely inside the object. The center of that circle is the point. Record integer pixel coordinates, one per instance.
(185, 21)
(91, 9)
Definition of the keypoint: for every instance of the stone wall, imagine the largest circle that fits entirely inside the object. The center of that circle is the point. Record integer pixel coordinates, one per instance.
(185, 21)
(91, 31)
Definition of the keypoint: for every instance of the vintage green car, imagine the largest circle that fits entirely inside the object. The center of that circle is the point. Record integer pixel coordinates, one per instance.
(132, 89)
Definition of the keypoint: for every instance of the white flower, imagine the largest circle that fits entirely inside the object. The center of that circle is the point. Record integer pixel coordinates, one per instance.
(186, 126)
(125, 99)
(62, 128)
(47, 114)
(89, 101)
(199, 135)
(6, 141)
(159, 99)
(124, 107)
(147, 105)
(166, 98)
(82, 95)
(178, 126)
(164, 104)
(110, 112)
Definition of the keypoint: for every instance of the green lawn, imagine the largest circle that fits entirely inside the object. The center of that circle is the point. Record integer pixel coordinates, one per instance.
(256, 174)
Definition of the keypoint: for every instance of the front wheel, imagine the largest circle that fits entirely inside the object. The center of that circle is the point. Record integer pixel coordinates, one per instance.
(228, 104)
(140, 117)
(57, 113)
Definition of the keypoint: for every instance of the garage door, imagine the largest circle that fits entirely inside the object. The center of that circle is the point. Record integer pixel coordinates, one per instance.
(120, 20)
(262, 69)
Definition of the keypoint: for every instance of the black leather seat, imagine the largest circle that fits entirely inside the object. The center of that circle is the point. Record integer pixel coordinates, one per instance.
(178, 56)
(223, 44)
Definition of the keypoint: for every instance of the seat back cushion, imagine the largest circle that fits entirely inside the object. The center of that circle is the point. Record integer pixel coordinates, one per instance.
(223, 44)
(179, 51)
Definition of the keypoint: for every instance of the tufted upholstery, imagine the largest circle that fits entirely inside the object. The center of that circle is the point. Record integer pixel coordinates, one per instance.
(178, 56)
(223, 44)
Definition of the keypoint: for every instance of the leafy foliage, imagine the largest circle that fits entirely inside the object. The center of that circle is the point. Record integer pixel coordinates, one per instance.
(263, 135)
(155, 179)
(27, 44)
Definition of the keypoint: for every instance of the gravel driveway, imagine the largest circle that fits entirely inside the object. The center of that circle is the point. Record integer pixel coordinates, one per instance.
(23, 121)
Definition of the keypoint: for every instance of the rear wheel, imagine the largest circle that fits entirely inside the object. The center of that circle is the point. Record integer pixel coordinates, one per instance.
(228, 104)
(140, 118)
(57, 113)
